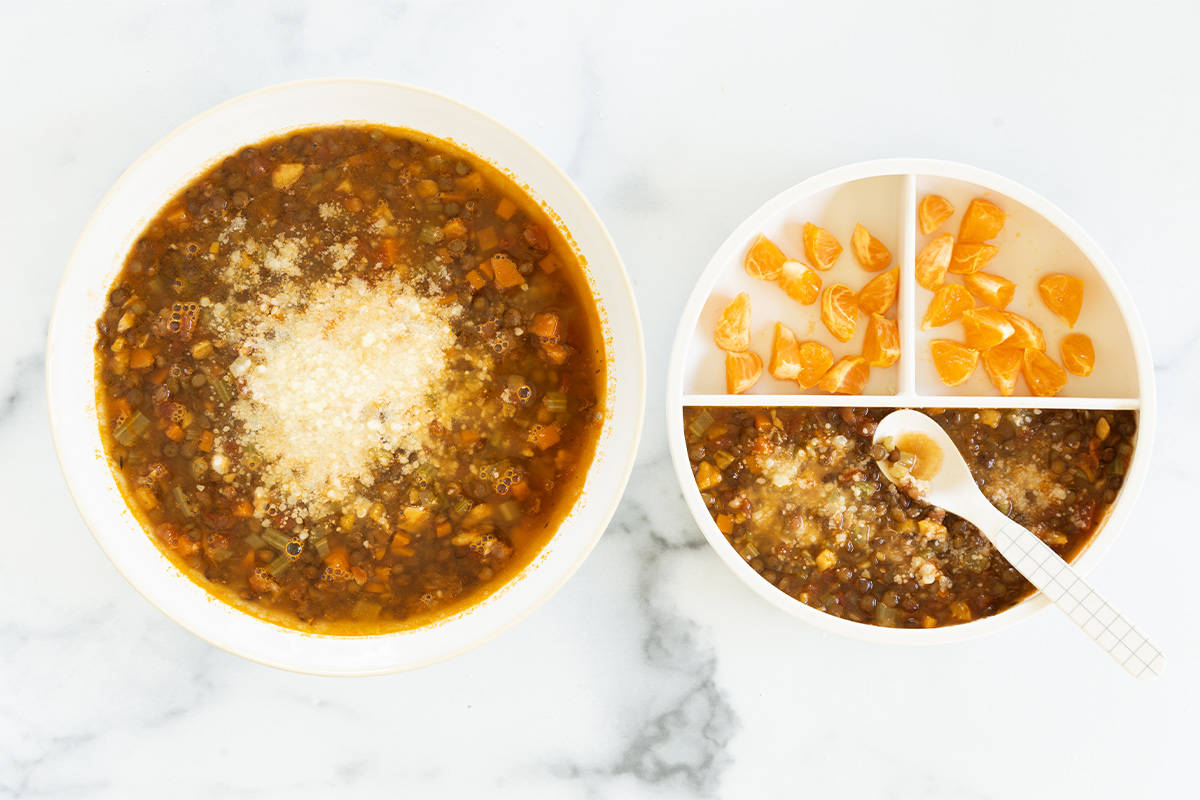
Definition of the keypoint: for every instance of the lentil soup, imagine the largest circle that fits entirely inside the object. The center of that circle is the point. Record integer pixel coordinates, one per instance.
(798, 494)
(350, 379)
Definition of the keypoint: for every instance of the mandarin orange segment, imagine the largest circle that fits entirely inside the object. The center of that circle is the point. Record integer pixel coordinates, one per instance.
(1026, 335)
(934, 260)
(820, 246)
(801, 283)
(815, 361)
(947, 305)
(994, 290)
(1003, 365)
(1044, 377)
(784, 363)
(848, 376)
(968, 258)
(839, 311)
(985, 327)
(1062, 294)
(953, 361)
(1078, 354)
(932, 211)
(742, 371)
(879, 294)
(871, 253)
(764, 259)
(733, 327)
(881, 342)
(982, 220)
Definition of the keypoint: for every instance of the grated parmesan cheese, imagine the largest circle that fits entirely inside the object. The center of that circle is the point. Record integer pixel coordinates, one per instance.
(336, 380)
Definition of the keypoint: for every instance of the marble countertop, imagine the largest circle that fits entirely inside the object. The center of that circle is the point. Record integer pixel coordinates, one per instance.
(654, 672)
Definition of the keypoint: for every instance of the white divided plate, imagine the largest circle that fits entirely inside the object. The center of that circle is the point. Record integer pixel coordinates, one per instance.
(1038, 238)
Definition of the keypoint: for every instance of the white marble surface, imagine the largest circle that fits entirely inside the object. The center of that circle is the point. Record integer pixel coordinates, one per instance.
(654, 672)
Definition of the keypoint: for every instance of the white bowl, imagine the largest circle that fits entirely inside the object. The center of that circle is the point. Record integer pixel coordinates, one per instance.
(883, 195)
(99, 255)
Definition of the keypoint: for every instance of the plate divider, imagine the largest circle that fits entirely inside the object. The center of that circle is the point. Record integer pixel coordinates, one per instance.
(910, 400)
(907, 302)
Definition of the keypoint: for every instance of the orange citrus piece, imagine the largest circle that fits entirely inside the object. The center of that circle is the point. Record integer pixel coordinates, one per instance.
(839, 311)
(1078, 354)
(733, 327)
(785, 354)
(954, 361)
(968, 258)
(932, 212)
(933, 260)
(742, 371)
(1062, 294)
(815, 361)
(881, 343)
(847, 376)
(986, 327)
(1026, 335)
(947, 305)
(801, 283)
(1003, 365)
(871, 253)
(764, 259)
(1043, 376)
(821, 248)
(994, 290)
(880, 292)
(982, 220)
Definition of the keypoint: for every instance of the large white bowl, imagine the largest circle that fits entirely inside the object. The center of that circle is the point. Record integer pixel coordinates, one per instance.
(98, 257)
(1039, 237)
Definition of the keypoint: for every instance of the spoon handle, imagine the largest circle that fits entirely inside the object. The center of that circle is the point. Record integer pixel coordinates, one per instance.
(1071, 593)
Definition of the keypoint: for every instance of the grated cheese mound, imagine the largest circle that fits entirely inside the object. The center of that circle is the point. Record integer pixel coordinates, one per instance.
(335, 382)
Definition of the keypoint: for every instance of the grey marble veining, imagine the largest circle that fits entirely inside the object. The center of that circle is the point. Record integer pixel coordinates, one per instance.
(654, 672)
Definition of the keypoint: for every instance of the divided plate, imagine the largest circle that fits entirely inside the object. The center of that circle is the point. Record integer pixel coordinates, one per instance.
(1038, 238)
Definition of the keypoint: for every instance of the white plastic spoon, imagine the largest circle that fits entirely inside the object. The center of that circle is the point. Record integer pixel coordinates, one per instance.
(941, 477)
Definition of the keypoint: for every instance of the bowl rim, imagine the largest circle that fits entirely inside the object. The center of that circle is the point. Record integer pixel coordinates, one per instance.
(623, 452)
(1135, 477)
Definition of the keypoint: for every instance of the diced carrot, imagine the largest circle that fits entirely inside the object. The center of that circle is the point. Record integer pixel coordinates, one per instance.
(761, 421)
(159, 375)
(725, 523)
(545, 436)
(505, 208)
(549, 263)
(175, 433)
(485, 267)
(206, 442)
(141, 358)
(471, 183)
(455, 229)
(507, 275)
(442, 529)
(415, 518)
(177, 216)
(468, 437)
(338, 559)
(390, 250)
(453, 197)
(244, 510)
(545, 326)
(476, 280)
(520, 489)
(374, 588)
(486, 238)
(555, 352)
